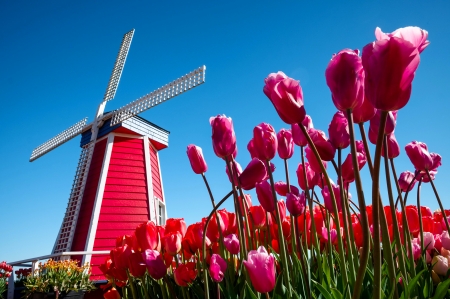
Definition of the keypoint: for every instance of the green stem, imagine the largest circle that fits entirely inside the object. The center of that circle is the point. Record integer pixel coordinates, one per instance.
(133, 287)
(422, 248)
(439, 202)
(366, 146)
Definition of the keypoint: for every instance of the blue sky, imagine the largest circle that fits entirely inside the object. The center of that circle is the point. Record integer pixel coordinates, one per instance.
(57, 57)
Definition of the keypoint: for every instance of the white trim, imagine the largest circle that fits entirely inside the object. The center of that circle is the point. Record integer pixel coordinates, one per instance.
(148, 174)
(162, 188)
(98, 198)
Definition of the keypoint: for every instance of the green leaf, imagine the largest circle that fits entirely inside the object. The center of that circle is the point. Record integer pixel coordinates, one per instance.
(336, 294)
(249, 292)
(280, 290)
(441, 289)
(322, 290)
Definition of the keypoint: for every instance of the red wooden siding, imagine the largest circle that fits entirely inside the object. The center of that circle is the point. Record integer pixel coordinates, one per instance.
(156, 176)
(87, 204)
(125, 200)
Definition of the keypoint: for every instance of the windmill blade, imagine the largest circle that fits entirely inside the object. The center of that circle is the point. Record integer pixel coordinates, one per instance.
(118, 67)
(168, 91)
(59, 139)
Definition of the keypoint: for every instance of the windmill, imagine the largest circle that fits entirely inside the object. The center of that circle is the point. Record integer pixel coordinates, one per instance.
(118, 182)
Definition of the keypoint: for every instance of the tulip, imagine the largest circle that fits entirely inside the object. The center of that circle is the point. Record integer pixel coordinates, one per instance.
(313, 163)
(251, 149)
(261, 269)
(296, 204)
(418, 154)
(345, 78)
(217, 268)
(112, 294)
(232, 224)
(415, 35)
(347, 170)
(390, 65)
(391, 121)
(254, 173)
(146, 236)
(196, 159)
(333, 235)
(327, 197)
(136, 264)
(282, 188)
(417, 252)
(406, 179)
(155, 264)
(125, 239)
(223, 136)
(235, 167)
(413, 219)
(428, 241)
(282, 208)
(393, 147)
(426, 211)
(265, 141)
(286, 96)
(212, 232)
(119, 256)
(248, 202)
(172, 243)
(265, 197)
(323, 145)
(339, 131)
(258, 216)
(185, 274)
(440, 264)
(364, 112)
(193, 239)
(231, 243)
(285, 144)
(174, 225)
(445, 240)
(297, 134)
(311, 177)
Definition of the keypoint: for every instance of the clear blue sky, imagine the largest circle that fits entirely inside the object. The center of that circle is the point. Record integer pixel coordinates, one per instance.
(57, 57)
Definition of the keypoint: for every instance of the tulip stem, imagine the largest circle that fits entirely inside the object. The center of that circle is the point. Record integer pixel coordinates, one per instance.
(286, 169)
(422, 248)
(133, 287)
(280, 232)
(205, 271)
(144, 286)
(267, 295)
(439, 201)
(366, 146)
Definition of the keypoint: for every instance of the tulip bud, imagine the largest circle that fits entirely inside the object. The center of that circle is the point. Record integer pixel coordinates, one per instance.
(196, 159)
(258, 216)
(363, 112)
(440, 265)
(254, 173)
(136, 264)
(311, 177)
(217, 267)
(418, 154)
(297, 134)
(112, 294)
(251, 149)
(339, 131)
(265, 197)
(296, 204)
(265, 141)
(261, 269)
(172, 243)
(185, 274)
(313, 163)
(282, 188)
(146, 236)
(223, 136)
(324, 147)
(231, 243)
(406, 179)
(347, 171)
(285, 144)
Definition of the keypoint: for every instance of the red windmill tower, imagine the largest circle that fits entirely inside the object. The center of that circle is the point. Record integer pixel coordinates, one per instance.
(118, 182)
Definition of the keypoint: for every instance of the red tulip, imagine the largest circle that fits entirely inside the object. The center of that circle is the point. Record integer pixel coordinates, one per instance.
(212, 232)
(390, 65)
(136, 264)
(323, 145)
(231, 243)
(172, 243)
(185, 274)
(286, 96)
(265, 141)
(281, 208)
(415, 35)
(196, 159)
(297, 134)
(254, 173)
(413, 219)
(174, 225)
(155, 264)
(285, 144)
(296, 204)
(258, 216)
(125, 239)
(282, 188)
(419, 155)
(393, 147)
(112, 294)
(232, 224)
(261, 268)
(311, 177)
(313, 163)
(223, 137)
(426, 211)
(406, 179)
(119, 256)
(265, 197)
(364, 112)
(146, 236)
(193, 240)
(345, 78)
(217, 267)
(339, 131)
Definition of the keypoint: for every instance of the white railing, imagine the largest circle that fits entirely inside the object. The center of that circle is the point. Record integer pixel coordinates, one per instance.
(34, 263)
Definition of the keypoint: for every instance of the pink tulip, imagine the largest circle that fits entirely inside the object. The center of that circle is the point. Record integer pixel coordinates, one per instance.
(223, 137)
(391, 121)
(282, 189)
(440, 264)
(261, 269)
(265, 197)
(419, 155)
(297, 134)
(254, 173)
(196, 159)
(155, 264)
(172, 243)
(348, 174)
(286, 96)
(313, 163)
(296, 203)
(406, 178)
(281, 208)
(311, 177)
(339, 131)
(417, 252)
(251, 149)
(236, 170)
(327, 197)
(231, 243)
(428, 240)
(363, 112)
(323, 145)
(285, 144)
(445, 240)
(390, 65)
(217, 267)
(393, 147)
(333, 234)
(345, 78)
(415, 35)
(265, 141)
